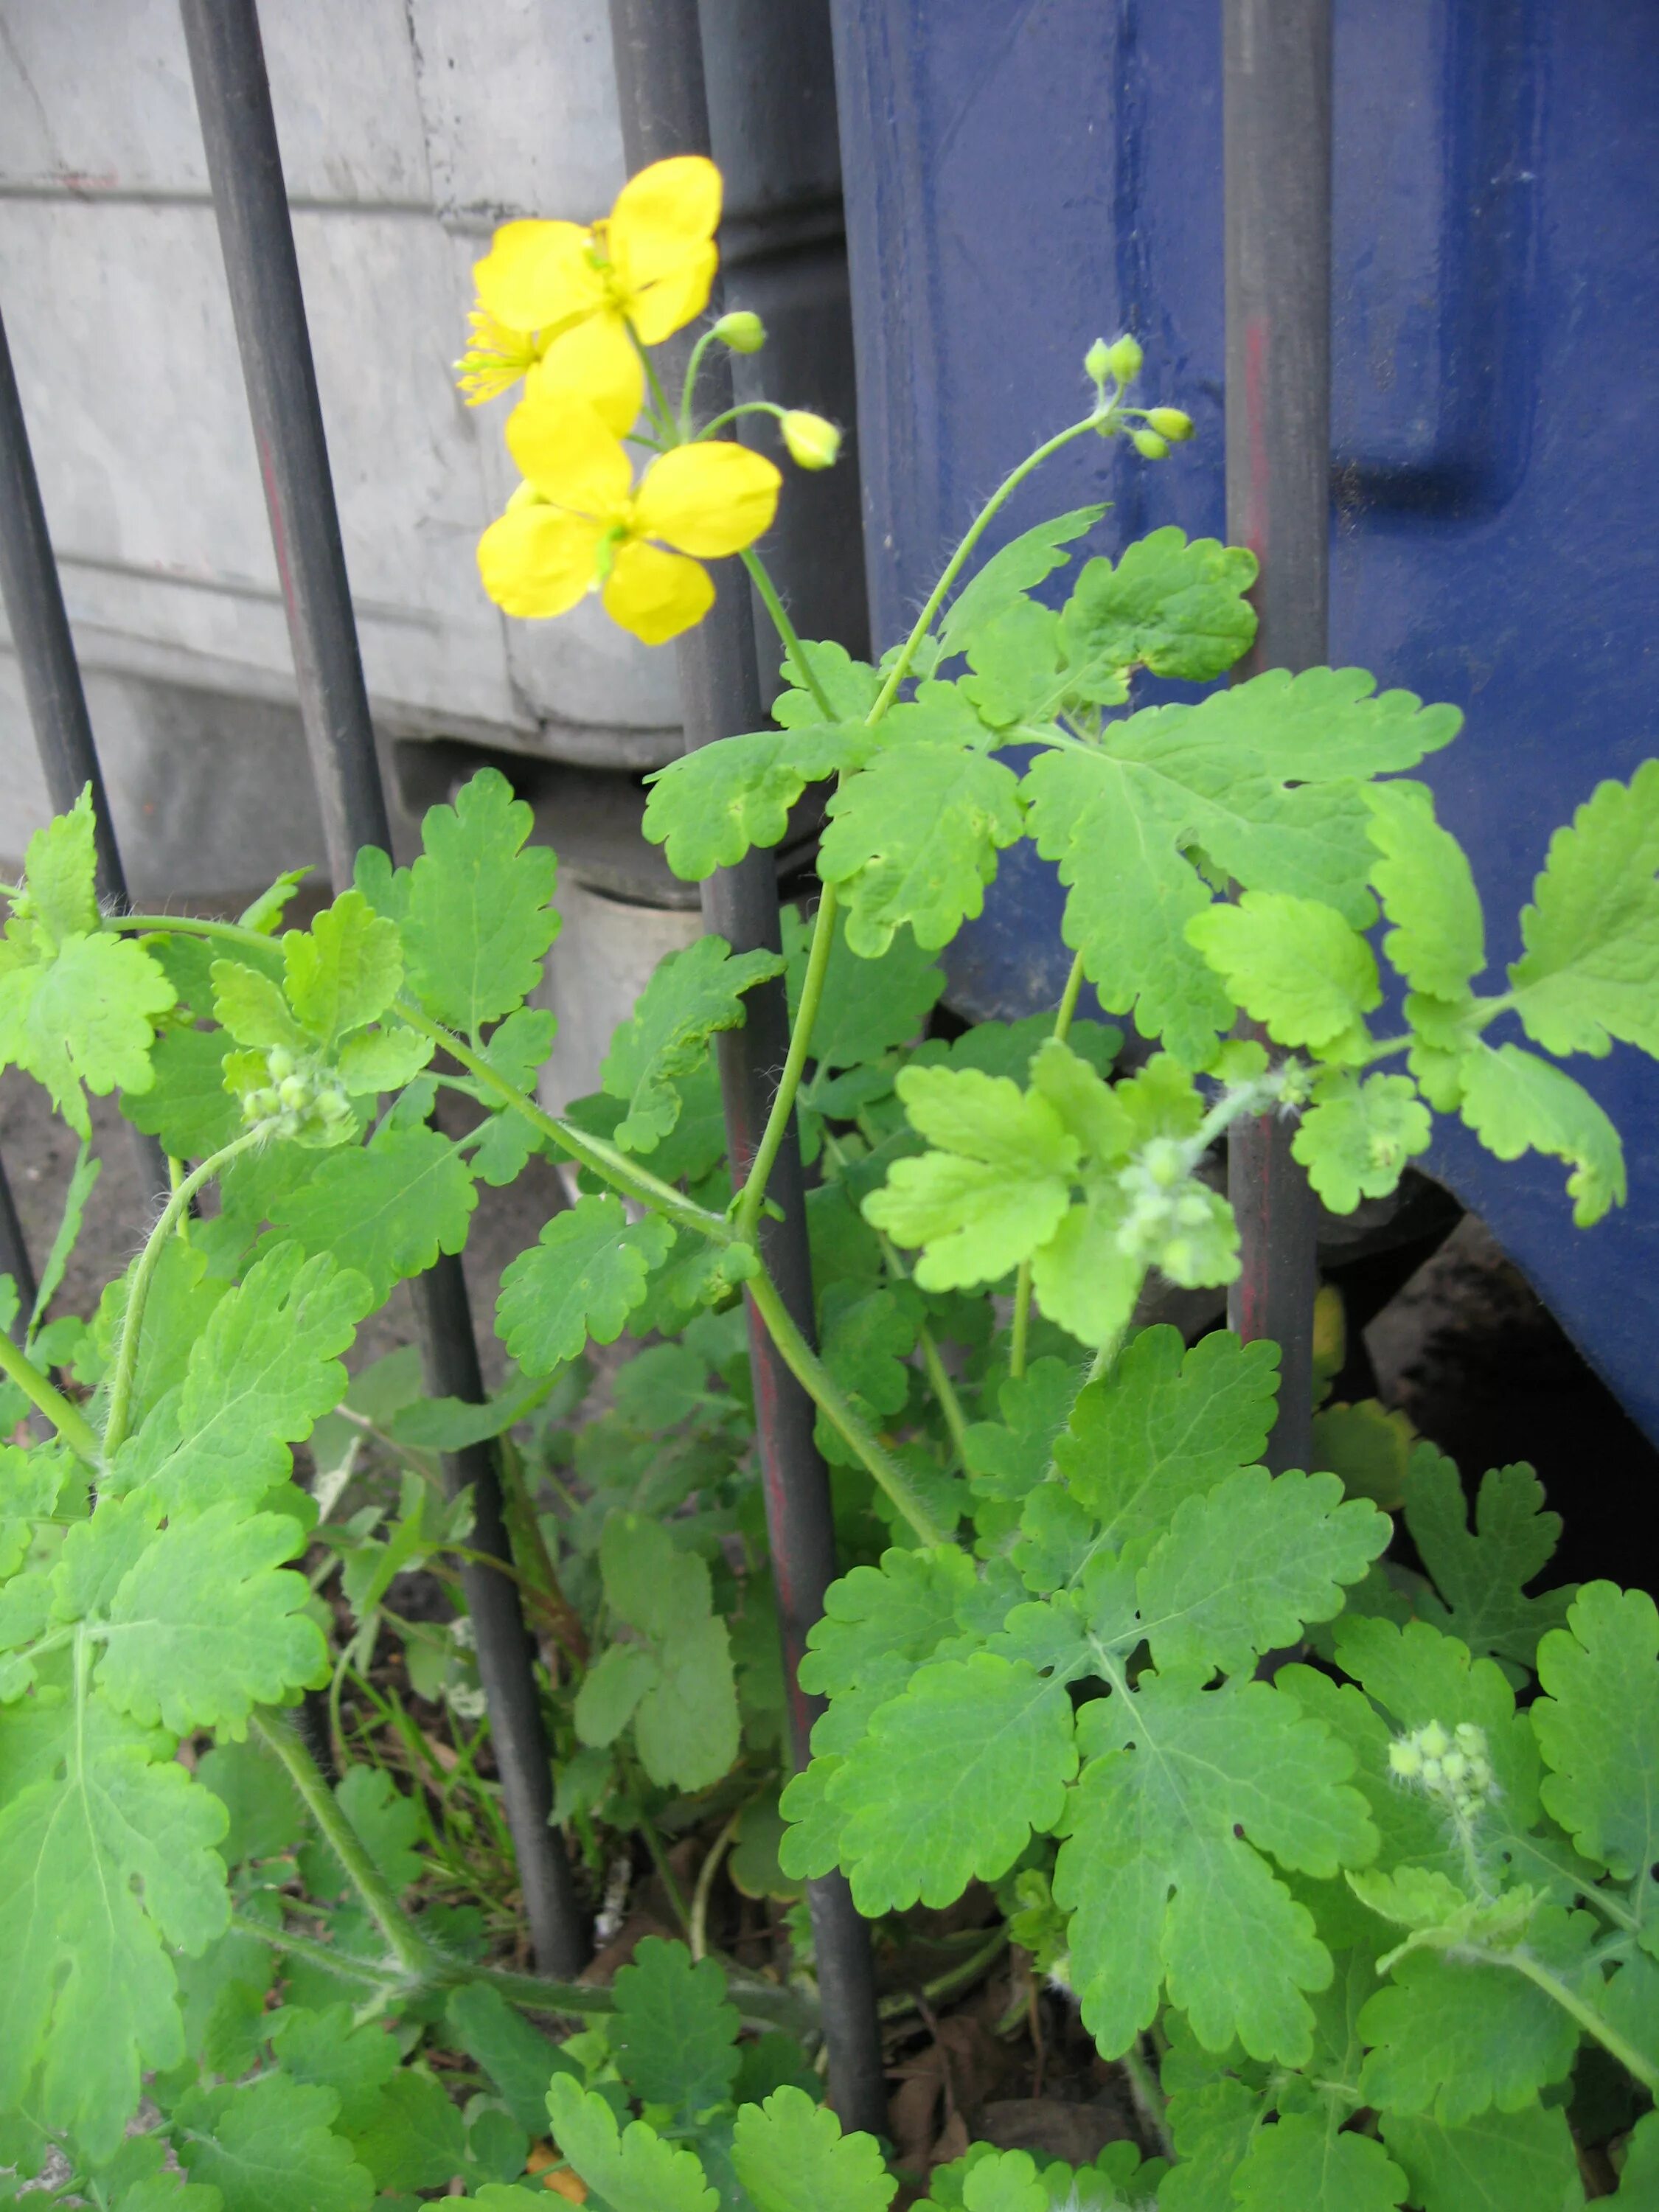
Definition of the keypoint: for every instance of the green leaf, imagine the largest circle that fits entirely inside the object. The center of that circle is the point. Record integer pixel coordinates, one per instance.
(633, 2171)
(324, 2049)
(1592, 932)
(1170, 1425)
(1516, 1102)
(1597, 1725)
(865, 1339)
(1454, 2040)
(251, 1006)
(848, 686)
(1164, 1872)
(519, 2059)
(1243, 1567)
(995, 1189)
(342, 972)
(707, 808)
(479, 920)
(106, 1854)
(674, 2036)
(206, 1625)
(691, 996)
(266, 1818)
(269, 2147)
(1481, 1574)
(1356, 1138)
(1502, 2162)
(387, 1822)
(60, 873)
(582, 1280)
(868, 1006)
(385, 1209)
(790, 2155)
(903, 1609)
(915, 838)
(1001, 580)
(610, 1692)
(82, 1017)
(382, 1060)
(1305, 2162)
(1438, 937)
(261, 1372)
(685, 1719)
(951, 1780)
(685, 1728)
(1214, 2125)
(266, 911)
(1294, 964)
(1007, 1459)
(1258, 778)
(187, 1105)
(1176, 608)
(414, 2138)
(1369, 1446)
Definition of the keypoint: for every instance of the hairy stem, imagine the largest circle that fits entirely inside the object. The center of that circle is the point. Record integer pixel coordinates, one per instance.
(1066, 1010)
(1148, 2097)
(761, 579)
(1634, 2062)
(746, 1218)
(411, 1950)
(814, 1378)
(697, 1937)
(132, 1322)
(68, 1421)
(374, 1971)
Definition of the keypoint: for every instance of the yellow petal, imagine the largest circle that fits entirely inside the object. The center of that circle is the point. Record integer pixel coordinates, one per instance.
(663, 217)
(537, 560)
(537, 275)
(563, 445)
(657, 309)
(595, 361)
(656, 594)
(711, 498)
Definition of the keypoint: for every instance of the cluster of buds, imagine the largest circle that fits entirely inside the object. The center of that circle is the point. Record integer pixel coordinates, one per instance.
(1452, 1766)
(1120, 363)
(1173, 1222)
(298, 1098)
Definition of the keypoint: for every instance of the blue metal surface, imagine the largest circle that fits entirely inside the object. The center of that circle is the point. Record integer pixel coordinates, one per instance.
(1024, 175)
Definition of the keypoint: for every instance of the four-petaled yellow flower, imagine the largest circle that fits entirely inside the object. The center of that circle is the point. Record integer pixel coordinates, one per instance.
(558, 300)
(579, 521)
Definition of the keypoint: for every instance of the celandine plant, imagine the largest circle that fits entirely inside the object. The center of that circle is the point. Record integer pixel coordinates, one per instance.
(1372, 1927)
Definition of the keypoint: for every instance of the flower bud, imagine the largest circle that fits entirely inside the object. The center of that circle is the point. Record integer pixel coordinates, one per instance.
(812, 442)
(294, 1092)
(1151, 446)
(1122, 359)
(279, 1061)
(743, 330)
(1096, 363)
(1170, 422)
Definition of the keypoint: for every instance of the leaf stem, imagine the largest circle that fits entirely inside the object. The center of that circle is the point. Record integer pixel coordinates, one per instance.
(1635, 2063)
(761, 577)
(746, 1215)
(697, 1936)
(1148, 2097)
(68, 1419)
(132, 1322)
(953, 568)
(1066, 1010)
(346, 1963)
(959, 1977)
(810, 1371)
(414, 1955)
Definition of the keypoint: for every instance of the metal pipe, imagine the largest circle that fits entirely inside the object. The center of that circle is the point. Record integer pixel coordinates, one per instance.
(657, 45)
(232, 98)
(15, 1254)
(57, 701)
(1276, 108)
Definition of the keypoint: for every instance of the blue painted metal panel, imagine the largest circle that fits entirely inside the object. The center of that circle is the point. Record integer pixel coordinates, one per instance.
(1024, 175)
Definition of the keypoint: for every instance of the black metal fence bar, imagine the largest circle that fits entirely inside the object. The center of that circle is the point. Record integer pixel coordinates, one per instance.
(659, 68)
(15, 1254)
(1276, 82)
(232, 99)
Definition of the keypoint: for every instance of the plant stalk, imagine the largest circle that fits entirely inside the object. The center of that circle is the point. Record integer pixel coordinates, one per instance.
(68, 1419)
(746, 1218)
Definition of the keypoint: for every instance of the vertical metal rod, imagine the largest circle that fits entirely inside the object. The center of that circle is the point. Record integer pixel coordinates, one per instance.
(665, 111)
(1276, 105)
(15, 1254)
(232, 99)
(52, 675)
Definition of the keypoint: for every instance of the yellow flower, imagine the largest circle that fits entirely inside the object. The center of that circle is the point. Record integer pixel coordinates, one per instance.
(579, 521)
(557, 300)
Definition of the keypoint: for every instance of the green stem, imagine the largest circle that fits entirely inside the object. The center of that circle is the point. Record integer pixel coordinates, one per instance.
(953, 568)
(945, 1391)
(1020, 1331)
(68, 1421)
(189, 925)
(746, 1217)
(744, 407)
(761, 577)
(132, 1322)
(697, 1937)
(411, 1950)
(346, 1963)
(689, 385)
(1635, 2063)
(1148, 2096)
(959, 1977)
(816, 1381)
(617, 1170)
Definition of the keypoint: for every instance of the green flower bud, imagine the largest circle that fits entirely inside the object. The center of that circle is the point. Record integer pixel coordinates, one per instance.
(262, 1106)
(1151, 446)
(1098, 362)
(1434, 1740)
(332, 1106)
(1169, 422)
(742, 330)
(294, 1092)
(1122, 359)
(1165, 1162)
(280, 1062)
(812, 442)
(1405, 1758)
